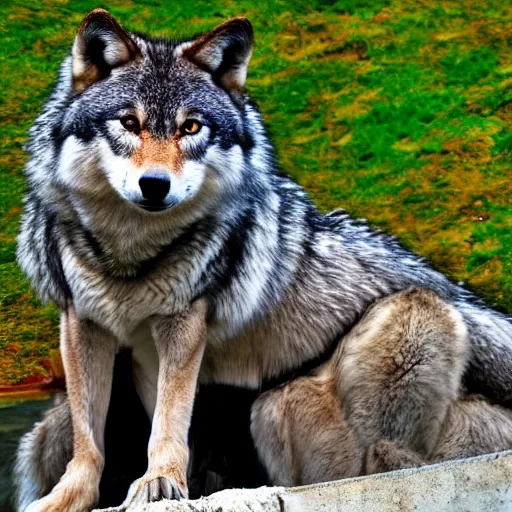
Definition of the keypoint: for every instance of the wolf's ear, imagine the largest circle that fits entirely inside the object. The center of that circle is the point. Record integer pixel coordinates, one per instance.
(100, 46)
(225, 53)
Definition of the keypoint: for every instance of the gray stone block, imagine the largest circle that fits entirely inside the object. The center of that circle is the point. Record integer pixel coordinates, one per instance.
(478, 484)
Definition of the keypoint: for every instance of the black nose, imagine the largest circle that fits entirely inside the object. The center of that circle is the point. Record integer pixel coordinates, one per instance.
(155, 185)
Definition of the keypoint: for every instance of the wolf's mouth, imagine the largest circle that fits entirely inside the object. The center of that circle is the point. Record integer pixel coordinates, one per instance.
(151, 206)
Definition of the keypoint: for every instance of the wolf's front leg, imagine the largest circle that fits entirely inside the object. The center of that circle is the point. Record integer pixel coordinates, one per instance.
(88, 353)
(179, 342)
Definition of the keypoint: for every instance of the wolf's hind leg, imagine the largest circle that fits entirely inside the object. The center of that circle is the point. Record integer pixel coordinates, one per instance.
(300, 434)
(399, 369)
(43, 455)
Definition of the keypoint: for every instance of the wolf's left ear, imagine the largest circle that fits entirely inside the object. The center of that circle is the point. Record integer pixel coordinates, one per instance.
(100, 46)
(225, 53)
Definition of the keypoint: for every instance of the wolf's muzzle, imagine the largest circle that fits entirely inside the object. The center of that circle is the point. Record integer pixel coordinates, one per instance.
(155, 185)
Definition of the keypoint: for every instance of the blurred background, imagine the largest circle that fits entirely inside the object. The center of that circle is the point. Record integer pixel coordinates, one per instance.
(397, 111)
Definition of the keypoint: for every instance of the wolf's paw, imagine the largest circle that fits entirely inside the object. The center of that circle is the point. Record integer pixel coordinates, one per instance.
(160, 488)
(387, 456)
(64, 500)
(156, 486)
(77, 491)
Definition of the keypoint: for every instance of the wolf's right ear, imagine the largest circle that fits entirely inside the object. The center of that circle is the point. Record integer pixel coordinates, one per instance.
(100, 46)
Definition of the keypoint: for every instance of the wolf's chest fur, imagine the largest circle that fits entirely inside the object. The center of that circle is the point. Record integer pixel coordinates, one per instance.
(120, 305)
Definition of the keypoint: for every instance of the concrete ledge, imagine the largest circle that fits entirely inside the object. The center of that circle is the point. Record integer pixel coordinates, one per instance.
(479, 484)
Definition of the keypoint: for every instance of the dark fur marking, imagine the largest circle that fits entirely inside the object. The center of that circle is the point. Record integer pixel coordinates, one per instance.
(233, 251)
(55, 262)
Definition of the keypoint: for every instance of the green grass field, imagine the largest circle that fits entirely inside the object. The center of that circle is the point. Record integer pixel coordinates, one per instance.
(398, 111)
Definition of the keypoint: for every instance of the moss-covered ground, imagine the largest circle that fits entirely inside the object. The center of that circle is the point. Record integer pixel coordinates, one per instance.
(398, 111)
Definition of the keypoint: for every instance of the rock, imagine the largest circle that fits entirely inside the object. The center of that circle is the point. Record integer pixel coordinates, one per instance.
(470, 485)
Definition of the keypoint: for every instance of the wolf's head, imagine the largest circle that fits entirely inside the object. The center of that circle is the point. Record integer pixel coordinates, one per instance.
(161, 123)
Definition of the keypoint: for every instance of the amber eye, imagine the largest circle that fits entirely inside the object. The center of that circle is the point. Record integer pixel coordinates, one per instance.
(190, 127)
(130, 123)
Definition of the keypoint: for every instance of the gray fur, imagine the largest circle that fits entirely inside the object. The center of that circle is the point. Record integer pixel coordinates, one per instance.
(283, 281)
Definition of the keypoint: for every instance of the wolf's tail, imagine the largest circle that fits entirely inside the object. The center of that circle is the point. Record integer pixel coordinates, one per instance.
(27, 485)
(42, 456)
(490, 365)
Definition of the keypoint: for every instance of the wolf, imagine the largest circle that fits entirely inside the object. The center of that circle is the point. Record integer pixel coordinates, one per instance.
(157, 219)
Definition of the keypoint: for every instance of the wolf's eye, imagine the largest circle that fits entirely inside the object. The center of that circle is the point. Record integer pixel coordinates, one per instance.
(190, 127)
(130, 123)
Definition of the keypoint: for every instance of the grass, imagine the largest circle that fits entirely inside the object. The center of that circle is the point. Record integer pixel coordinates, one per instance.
(398, 111)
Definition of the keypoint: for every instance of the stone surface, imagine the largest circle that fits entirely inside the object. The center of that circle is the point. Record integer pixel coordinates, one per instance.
(264, 499)
(479, 484)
